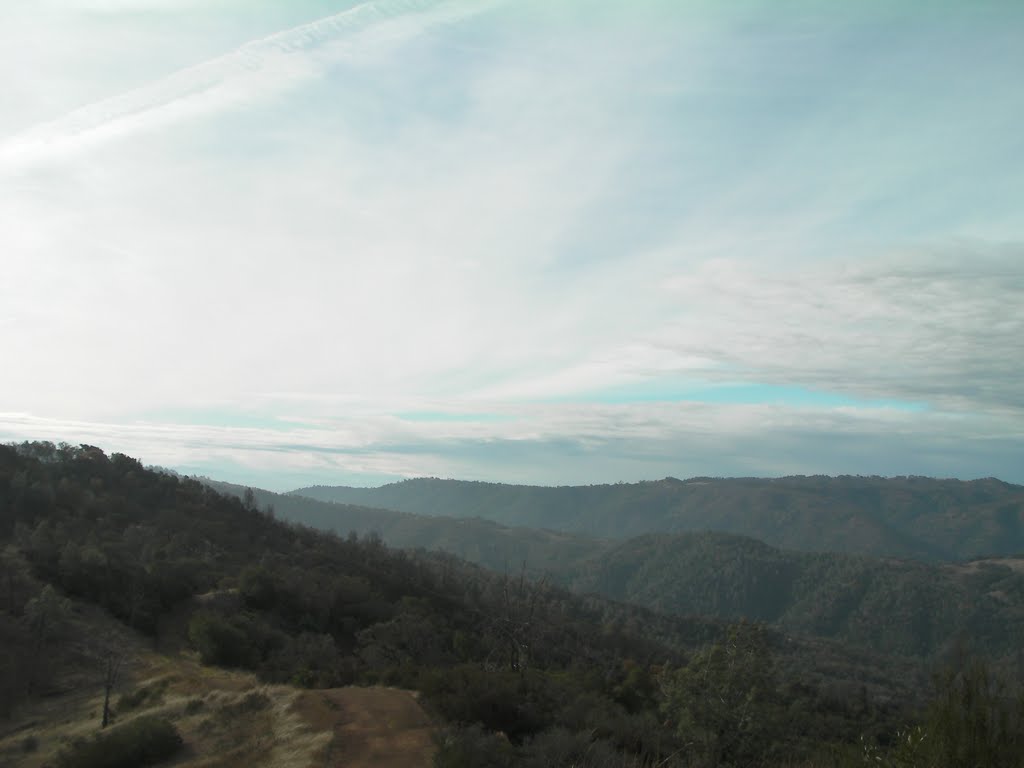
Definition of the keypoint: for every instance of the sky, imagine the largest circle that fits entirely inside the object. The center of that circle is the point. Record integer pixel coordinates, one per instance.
(287, 242)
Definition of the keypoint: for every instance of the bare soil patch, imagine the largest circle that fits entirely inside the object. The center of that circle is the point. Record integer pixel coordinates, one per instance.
(379, 727)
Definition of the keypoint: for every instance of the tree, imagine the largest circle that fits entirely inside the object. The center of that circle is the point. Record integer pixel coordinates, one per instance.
(515, 626)
(721, 702)
(112, 662)
(976, 718)
(45, 614)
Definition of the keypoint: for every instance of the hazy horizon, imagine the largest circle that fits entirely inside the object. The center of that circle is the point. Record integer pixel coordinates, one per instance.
(328, 242)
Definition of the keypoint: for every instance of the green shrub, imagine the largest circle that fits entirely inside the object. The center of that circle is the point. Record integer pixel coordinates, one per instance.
(148, 695)
(220, 641)
(194, 706)
(143, 741)
(255, 701)
(473, 747)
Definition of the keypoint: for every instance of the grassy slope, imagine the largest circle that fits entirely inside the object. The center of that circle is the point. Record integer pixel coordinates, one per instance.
(227, 718)
(92, 524)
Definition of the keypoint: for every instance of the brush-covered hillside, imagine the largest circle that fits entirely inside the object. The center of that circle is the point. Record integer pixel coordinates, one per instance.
(110, 566)
(891, 606)
(898, 517)
(887, 605)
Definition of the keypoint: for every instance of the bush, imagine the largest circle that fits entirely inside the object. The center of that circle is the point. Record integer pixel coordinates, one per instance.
(220, 642)
(144, 741)
(194, 706)
(256, 701)
(516, 704)
(148, 695)
(473, 747)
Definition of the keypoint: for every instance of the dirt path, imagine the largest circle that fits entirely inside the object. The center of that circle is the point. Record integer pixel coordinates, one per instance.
(378, 727)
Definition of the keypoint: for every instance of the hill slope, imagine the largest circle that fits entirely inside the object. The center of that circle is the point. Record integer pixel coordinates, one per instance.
(229, 719)
(548, 670)
(898, 517)
(889, 606)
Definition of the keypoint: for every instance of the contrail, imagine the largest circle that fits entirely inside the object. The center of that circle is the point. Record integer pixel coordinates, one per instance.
(258, 68)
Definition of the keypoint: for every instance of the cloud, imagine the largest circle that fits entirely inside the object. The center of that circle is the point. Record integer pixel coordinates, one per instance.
(532, 214)
(426, 262)
(260, 68)
(942, 325)
(574, 444)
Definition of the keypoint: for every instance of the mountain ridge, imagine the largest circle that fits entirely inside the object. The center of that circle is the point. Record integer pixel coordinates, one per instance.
(903, 516)
(887, 604)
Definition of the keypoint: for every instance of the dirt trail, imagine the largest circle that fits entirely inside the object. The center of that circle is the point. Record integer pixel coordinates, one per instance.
(378, 727)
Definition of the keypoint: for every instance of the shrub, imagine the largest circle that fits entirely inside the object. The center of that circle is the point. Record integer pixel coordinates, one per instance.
(256, 701)
(473, 747)
(220, 642)
(143, 741)
(148, 695)
(194, 706)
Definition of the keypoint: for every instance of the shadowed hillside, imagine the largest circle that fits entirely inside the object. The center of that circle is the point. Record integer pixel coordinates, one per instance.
(109, 566)
(900, 517)
(891, 606)
(888, 605)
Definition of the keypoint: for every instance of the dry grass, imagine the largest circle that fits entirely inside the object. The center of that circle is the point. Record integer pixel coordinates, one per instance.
(380, 727)
(228, 720)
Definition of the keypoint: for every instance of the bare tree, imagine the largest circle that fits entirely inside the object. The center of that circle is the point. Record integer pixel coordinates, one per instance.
(516, 627)
(46, 614)
(113, 660)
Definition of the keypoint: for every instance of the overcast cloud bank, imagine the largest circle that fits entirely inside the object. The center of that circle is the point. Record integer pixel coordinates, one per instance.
(515, 241)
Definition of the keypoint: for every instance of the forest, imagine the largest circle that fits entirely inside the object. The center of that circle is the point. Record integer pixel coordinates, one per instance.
(517, 667)
(920, 517)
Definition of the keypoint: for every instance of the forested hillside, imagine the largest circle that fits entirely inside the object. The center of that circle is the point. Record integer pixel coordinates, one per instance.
(890, 606)
(899, 517)
(887, 605)
(484, 542)
(516, 672)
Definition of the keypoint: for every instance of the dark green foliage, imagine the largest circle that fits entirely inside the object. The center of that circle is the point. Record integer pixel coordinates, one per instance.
(976, 718)
(890, 606)
(515, 704)
(193, 706)
(473, 747)
(144, 741)
(256, 701)
(530, 671)
(146, 696)
(724, 701)
(901, 607)
(223, 641)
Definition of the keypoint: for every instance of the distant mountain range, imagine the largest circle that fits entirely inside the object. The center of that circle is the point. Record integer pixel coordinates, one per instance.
(922, 518)
(885, 604)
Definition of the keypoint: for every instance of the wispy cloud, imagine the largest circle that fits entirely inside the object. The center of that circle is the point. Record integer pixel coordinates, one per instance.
(943, 325)
(576, 444)
(260, 68)
(581, 242)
